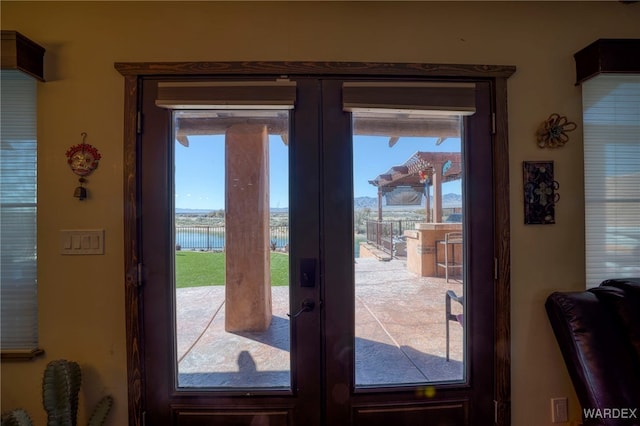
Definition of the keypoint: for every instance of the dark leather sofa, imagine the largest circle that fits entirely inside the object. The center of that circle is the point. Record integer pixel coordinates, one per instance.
(598, 332)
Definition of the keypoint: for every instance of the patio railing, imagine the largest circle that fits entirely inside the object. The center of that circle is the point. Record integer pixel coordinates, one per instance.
(203, 237)
(387, 235)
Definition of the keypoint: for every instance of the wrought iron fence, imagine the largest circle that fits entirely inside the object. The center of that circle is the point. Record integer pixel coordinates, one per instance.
(387, 235)
(202, 237)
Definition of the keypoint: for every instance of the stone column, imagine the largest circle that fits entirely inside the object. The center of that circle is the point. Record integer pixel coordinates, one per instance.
(248, 278)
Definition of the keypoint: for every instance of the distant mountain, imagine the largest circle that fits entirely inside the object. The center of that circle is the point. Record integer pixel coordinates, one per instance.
(448, 200)
(279, 209)
(194, 211)
(451, 200)
(359, 203)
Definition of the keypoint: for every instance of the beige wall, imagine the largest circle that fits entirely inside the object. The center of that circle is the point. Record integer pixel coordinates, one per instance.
(82, 297)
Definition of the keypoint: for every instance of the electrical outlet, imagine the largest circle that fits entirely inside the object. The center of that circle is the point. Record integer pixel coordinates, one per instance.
(559, 410)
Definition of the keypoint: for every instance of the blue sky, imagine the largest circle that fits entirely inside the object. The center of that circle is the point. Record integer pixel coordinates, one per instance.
(200, 167)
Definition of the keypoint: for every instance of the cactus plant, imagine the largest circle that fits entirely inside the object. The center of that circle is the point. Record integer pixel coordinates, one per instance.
(101, 411)
(17, 417)
(60, 387)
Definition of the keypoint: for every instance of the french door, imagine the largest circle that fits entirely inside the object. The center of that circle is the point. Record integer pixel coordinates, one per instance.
(270, 295)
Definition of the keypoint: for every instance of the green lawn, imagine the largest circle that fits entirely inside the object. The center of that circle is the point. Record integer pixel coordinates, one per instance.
(196, 269)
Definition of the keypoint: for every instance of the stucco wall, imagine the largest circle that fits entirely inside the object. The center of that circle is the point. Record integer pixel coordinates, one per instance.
(82, 297)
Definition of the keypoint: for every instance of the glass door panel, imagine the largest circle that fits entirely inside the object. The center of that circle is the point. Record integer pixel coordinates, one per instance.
(231, 220)
(409, 269)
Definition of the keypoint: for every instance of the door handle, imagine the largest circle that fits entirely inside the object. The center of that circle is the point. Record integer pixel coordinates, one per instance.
(306, 306)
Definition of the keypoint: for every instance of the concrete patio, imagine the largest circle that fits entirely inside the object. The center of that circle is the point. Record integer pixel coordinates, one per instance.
(400, 334)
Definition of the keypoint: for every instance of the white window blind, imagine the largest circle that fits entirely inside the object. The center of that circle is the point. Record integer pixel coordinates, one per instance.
(18, 212)
(611, 112)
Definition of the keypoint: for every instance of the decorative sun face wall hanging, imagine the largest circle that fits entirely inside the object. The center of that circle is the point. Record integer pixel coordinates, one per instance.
(83, 160)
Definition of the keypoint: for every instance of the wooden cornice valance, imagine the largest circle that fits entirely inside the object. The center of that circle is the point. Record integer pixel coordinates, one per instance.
(621, 56)
(292, 68)
(20, 53)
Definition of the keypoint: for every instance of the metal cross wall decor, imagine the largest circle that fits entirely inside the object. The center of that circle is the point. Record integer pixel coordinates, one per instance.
(540, 196)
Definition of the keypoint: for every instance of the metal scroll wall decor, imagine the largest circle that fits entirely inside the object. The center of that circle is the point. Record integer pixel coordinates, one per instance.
(552, 132)
(540, 196)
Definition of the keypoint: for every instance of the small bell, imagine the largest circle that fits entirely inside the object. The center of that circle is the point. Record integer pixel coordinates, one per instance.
(80, 193)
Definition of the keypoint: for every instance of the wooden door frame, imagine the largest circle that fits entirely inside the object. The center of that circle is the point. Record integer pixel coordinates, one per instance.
(135, 72)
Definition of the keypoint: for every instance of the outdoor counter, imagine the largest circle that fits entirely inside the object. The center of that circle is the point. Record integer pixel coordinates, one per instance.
(421, 246)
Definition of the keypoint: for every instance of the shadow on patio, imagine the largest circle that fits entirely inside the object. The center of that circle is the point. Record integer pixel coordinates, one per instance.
(400, 334)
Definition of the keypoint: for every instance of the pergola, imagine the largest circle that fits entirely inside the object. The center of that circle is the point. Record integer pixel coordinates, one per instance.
(422, 170)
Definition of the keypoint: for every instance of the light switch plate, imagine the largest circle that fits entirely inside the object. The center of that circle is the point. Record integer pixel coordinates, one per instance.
(559, 410)
(81, 241)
